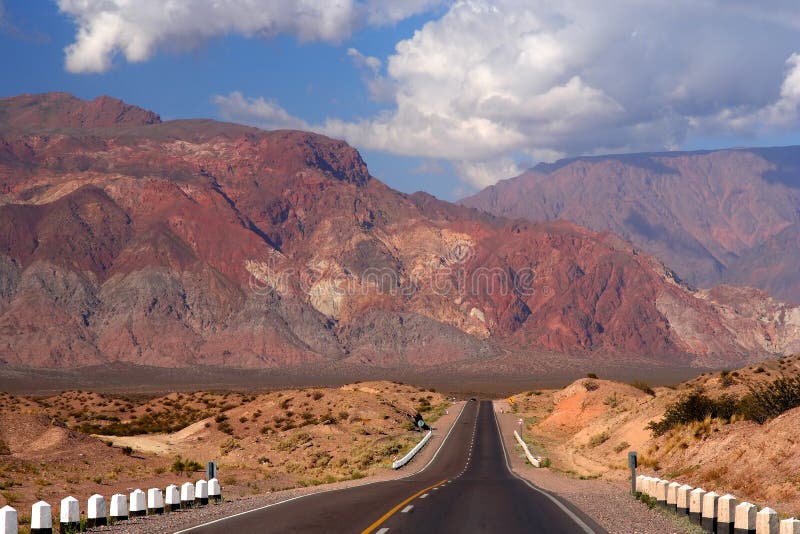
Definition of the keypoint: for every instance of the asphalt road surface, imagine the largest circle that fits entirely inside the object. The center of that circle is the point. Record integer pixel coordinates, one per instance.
(466, 488)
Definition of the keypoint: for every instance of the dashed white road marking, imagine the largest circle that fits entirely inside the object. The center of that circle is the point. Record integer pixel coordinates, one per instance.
(424, 496)
(407, 509)
(384, 530)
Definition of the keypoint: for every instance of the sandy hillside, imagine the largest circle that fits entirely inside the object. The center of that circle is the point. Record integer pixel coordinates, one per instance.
(587, 429)
(55, 446)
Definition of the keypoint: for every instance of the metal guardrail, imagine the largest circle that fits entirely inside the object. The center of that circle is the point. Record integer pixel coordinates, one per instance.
(407, 458)
(534, 462)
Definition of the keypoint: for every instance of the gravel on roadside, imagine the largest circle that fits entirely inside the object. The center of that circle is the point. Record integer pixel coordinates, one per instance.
(609, 503)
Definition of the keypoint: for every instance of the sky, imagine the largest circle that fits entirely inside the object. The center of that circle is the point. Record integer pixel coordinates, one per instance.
(442, 96)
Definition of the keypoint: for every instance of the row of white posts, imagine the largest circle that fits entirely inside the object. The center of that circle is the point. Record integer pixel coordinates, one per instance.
(121, 507)
(715, 513)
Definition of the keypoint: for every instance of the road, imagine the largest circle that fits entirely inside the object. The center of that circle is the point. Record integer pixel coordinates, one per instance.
(466, 488)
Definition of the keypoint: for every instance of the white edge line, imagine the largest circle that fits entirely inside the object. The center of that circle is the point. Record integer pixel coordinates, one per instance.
(337, 489)
(586, 528)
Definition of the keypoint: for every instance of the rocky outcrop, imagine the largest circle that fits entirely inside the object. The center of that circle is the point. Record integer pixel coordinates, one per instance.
(62, 110)
(202, 243)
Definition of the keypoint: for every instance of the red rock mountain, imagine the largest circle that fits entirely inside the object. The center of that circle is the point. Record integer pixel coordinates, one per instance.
(55, 110)
(723, 216)
(123, 239)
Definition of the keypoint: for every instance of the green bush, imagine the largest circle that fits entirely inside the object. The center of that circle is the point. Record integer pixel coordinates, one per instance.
(590, 385)
(152, 423)
(225, 427)
(695, 406)
(643, 386)
(766, 401)
(180, 466)
(649, 501)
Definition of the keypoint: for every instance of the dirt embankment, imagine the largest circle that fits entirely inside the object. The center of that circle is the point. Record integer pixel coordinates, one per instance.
(78, 443)
(587, 429)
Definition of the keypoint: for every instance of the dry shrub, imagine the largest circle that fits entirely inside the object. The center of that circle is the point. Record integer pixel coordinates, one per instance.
(598, 439)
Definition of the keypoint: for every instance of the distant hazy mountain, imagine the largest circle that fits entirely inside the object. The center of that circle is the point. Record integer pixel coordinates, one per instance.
(196, 242)
(719, 216)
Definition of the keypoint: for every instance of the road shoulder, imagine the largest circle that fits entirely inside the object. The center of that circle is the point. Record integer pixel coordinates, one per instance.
(608, 503)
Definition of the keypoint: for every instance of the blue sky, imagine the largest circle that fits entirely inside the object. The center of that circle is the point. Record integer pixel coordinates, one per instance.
(445, 97)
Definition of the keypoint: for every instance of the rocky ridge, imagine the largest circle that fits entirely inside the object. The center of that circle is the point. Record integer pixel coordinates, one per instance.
(197, 242)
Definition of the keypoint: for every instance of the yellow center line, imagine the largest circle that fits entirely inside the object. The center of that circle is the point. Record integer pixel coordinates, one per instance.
(391, 512)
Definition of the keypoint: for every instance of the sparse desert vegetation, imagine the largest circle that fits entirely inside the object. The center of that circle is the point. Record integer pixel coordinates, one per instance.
(80, 442)
(729, 431)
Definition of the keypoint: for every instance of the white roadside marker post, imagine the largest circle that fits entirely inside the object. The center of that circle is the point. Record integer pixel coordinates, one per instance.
(70, 515)
(745, 518)
(96, 511)
(9, 520)
(672, 496)
(790, 526)
(709, 515)
(214, 490)
(726, 514)
(661, 493)
(137, 506)
(119, 507)
(201, 493)
(767, 521)
(155, 501)
(682, 499)
(172, 498)
(41, 518)
(187, 495)
(696, 505)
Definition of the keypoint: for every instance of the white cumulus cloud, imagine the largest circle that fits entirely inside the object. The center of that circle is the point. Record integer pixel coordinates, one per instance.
(494, 82)
(136, 29)
(380, 89)
(266, 114)
(485, 173)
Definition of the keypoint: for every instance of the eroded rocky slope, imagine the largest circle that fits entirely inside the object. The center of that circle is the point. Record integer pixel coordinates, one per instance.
(197, 242)
(720, 216)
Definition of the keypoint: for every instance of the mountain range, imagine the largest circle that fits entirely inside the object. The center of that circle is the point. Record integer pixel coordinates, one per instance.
(724, 216)
(193, 242)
